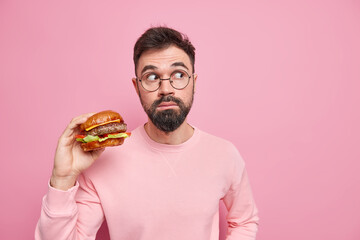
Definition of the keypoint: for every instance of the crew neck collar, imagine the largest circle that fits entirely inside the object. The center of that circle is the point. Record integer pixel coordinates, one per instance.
(169, 147)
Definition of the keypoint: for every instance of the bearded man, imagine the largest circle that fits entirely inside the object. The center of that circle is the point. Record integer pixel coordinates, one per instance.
(163, 183)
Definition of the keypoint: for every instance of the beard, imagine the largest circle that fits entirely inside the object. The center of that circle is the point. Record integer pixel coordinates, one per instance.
(168, 120)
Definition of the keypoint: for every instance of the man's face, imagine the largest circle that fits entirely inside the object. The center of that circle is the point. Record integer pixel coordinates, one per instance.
(166, 107)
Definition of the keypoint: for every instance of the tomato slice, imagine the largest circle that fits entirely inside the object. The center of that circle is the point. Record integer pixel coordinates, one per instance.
(80, 136)
(128, 133)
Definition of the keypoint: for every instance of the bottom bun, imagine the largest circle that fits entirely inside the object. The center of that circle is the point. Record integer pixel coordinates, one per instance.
(98, 145)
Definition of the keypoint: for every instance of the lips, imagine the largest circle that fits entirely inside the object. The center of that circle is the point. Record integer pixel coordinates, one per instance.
(166, 105)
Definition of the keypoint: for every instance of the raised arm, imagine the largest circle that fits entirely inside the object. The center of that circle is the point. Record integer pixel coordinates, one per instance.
(71, 209)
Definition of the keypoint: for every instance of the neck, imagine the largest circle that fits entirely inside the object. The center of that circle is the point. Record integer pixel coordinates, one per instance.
(180, 135)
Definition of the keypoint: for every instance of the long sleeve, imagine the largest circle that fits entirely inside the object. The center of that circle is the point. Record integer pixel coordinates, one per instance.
(72, 214)
(242, 215)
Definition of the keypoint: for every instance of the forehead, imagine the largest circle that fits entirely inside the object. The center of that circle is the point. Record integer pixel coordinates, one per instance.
(163, 58)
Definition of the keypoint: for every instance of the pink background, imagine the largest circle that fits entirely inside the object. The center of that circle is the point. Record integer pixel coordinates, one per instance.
(280, 79)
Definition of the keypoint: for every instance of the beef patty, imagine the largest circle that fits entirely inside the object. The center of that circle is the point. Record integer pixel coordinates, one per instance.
(108, 128)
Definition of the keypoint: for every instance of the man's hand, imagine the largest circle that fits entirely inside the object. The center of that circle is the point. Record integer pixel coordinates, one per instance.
(70, 160)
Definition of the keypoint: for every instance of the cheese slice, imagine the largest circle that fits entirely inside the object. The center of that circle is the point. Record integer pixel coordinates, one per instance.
(88, 129)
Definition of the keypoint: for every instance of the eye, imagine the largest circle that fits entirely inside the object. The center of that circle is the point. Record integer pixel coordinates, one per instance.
(151, 77)
(178, 75)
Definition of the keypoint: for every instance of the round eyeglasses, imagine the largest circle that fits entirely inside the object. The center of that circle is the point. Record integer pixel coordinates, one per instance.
(151, 82)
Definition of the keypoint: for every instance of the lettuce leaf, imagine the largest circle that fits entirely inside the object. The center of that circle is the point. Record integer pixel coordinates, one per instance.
(90, 138)
(80, 140)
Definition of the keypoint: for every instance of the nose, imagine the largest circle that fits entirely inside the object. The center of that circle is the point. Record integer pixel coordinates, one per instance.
(166, 88)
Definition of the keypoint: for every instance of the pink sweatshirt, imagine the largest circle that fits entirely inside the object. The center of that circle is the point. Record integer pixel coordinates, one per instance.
(147, 190)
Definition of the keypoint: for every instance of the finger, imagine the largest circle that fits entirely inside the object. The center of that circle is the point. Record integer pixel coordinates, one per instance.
(74, 124)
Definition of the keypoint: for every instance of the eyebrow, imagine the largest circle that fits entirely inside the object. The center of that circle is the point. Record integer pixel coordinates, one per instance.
(152, 67)
(147, 67)
(179, 64)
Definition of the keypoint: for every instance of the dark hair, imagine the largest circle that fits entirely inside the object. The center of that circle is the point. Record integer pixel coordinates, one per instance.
(163, 37)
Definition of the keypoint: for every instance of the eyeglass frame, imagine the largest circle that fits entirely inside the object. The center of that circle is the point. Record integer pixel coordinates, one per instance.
(164, 79)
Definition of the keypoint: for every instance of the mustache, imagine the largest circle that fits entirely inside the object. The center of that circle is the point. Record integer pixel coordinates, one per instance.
(167, 99)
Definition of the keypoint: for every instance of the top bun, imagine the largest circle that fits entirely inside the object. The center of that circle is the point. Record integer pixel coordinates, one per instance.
(101, 118)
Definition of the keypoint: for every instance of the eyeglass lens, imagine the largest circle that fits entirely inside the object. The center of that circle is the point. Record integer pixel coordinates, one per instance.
(178, 80)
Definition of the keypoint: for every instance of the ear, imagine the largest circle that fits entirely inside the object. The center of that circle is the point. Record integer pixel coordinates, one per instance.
(136, 86)
(195, 77)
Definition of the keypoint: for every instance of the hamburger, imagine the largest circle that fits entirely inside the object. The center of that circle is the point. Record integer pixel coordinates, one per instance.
(103, 129)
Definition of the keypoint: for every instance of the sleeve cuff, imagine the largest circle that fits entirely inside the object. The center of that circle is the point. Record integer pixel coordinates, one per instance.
(59, 202)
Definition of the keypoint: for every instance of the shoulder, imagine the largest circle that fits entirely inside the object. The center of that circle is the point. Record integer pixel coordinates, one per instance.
(215, 141)
(217, 144)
